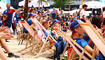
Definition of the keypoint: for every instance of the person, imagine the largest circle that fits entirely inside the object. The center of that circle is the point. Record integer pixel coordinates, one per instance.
(103, 15)
(77, 34)
(2, 56)
(1, 20)
(101, 57)
(83, 13)
(60, 44)
(29, 21)
(6, 31)
(9, 13)
(53, 13)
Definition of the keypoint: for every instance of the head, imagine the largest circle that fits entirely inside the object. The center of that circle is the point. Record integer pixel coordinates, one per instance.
(76, 29)
(60, 9)
(64, 25)
(85, 7)
(45, 24)
(56, 27)
(8, 6)
(4, 17)
(53, 9)
(31, 15)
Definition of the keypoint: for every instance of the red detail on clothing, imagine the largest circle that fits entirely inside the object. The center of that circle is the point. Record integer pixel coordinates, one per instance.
(64, 22)
(11, 11)
(20, 16)
(22, 22)
(69, 52)
(3, 23)
(59, 22)
(34, 15)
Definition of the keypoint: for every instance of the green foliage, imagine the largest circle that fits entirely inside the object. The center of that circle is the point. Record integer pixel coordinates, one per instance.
(61, 3)
(40, 1)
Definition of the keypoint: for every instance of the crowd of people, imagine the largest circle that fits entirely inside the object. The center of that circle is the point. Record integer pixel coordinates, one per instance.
(54, 22)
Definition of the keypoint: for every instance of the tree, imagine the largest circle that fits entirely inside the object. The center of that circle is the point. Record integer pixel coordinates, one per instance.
(26, 9)
(70, 1)
(40, 1)
(60, 3)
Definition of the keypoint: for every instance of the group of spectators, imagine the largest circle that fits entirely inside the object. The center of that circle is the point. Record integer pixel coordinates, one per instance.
(54, 22)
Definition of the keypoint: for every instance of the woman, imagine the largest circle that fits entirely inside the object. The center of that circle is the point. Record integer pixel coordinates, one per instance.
(4, 34)
(3, 27)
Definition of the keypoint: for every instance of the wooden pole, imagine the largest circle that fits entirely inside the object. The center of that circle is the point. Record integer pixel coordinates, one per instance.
(82, 3)
(69, 4)
(26, 9)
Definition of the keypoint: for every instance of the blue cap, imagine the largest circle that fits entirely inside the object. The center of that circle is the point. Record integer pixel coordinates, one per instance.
(31, 14)
(54, 21)
(74, 25)
(60, 39)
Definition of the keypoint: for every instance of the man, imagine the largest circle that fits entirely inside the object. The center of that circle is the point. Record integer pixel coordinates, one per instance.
(9, 12)
(53, 13)
(83, 13)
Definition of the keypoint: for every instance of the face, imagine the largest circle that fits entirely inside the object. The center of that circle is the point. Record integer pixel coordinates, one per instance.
(8, 6)
(46, 25)
(57, 27)
(53, 9)
(80, 30)
(85, 8)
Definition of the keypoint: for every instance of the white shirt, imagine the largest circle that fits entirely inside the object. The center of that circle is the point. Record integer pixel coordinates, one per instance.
(1, 11)
(82, 12)
(103, 14)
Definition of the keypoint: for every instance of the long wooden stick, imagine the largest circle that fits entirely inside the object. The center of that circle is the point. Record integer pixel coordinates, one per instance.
(93, 34)
(101, 38)
(45, 30)
(78, 52)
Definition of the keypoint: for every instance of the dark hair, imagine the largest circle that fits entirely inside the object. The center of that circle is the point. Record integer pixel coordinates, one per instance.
(5, 15)
(85, 5)
(104, 22)
(44, 22)
(103, 8)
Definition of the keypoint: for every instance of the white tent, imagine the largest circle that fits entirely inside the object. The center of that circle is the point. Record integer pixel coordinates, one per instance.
(34, 3)
(93, 4)
(21, 3)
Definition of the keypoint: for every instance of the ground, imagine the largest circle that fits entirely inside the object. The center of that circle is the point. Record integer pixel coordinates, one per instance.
(14, 47)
